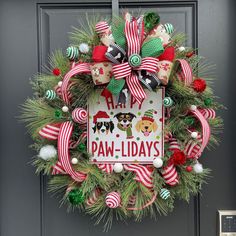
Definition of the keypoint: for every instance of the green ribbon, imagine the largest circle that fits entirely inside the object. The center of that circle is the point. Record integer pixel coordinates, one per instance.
(118, 32)
(115, 85)
(152, 48)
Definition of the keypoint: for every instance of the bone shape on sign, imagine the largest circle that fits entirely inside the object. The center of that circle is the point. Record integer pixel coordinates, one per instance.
(148, 81)
(125, 92)
(109, 49)
(118, 56)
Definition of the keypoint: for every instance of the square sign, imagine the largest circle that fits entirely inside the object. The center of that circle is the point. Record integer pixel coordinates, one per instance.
(129, 133)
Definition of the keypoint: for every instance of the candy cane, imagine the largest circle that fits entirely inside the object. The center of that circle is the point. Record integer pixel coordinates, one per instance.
(108, 168)
(185, 72)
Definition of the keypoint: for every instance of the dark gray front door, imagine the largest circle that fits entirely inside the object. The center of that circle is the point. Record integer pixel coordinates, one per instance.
(29, 31)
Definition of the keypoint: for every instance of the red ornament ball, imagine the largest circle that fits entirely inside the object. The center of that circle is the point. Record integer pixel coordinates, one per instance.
(199, 85)
(189, 168)
(178, 158)
(56, 71)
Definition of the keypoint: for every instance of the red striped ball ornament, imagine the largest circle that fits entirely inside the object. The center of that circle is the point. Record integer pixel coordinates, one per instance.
(113, 200)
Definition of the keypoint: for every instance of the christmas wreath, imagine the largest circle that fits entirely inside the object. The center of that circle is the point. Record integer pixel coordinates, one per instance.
(120, 120)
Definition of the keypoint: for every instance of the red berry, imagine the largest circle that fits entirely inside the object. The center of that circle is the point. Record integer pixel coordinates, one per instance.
(189, 168)
(199, 85)
(56, 71)
(190, 54)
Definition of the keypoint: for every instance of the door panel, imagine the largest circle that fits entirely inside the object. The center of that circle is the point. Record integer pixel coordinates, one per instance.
(30, 30)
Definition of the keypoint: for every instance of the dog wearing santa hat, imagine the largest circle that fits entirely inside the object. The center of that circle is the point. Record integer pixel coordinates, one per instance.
(102, 123)
(147, 124)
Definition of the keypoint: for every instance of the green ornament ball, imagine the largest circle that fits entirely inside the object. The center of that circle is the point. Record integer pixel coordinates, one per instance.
(151, 19)
(168, 102)
(135, 60)
(50, 94)
(169, 28)
(72, 53)
(189, 120)
(81, 147)
(75, 197)
(58, 114)
(208, 102)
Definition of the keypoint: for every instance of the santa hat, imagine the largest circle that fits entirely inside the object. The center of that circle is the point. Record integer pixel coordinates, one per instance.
(101, 116)
(148, 115)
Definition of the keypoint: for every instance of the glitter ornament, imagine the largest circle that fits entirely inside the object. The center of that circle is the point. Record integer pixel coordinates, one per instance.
(84, 48)
(157, 162)
(118, 168)
(47, 152)
(74, 161)
(56, 71)
(65, 109)
(198, 168)
(75, 196)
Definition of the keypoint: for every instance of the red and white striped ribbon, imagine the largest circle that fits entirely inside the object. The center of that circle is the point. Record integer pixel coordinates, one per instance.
(170, 175)
(121, 70)
(77, 69)
(185, 72)
(132, 37)
(57, 89)
(108, 168)
(93, 197)
(101, 27)
(208, 113)
(206, 131)
(174, 144)
(63, 151)
(149, 64)
(168, 137)
(192, 147)
(58, 169)
(143, 174)
(136, 88)
(50, 132)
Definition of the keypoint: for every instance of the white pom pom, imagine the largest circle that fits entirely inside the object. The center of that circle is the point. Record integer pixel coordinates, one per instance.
(84, 48)
(47, 152)
(118, 168)
(65, 109)
(74, 161)
(198, 168)
(157, 162)
(181, 49)
(59, 83)
(193, 108)
(194, 135)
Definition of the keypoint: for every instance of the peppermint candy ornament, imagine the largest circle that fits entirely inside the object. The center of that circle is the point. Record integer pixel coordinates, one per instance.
(79, 115)
(113, 200)
(168, 102)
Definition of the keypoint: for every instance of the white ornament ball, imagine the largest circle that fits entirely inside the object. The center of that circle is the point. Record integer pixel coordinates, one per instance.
(74, 161)
(118, 168)
(181, 49)
(194, 135)
(59, 83)
(47, 152)
(193, 108)
(157, 162)
(84, 48)
(65, 109)
(198, 168)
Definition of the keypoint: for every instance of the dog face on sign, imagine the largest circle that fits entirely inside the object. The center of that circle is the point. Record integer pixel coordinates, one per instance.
(146, 127)
(125, 119)
(103, 127)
